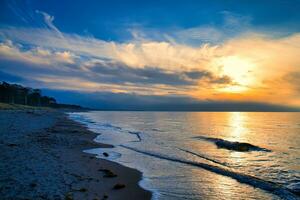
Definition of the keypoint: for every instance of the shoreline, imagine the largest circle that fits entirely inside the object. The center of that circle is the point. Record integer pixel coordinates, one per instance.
(44, 159)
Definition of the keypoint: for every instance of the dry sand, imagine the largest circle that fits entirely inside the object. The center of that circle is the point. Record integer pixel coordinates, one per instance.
(41, 158)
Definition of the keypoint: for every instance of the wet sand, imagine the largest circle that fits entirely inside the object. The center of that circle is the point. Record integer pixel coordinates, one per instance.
(41, 158)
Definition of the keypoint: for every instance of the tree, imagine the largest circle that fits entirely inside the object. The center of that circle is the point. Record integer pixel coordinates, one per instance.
(17, 94)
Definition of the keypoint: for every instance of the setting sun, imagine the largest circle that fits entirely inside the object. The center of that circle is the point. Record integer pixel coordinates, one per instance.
(239, 69)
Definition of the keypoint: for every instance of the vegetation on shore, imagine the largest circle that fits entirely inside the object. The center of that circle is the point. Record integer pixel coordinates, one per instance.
(6, 106)
(14, 96)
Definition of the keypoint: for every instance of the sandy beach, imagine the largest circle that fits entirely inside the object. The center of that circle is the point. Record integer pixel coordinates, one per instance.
(42, 158)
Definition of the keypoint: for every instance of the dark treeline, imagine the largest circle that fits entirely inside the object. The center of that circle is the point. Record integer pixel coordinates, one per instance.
(17, 94)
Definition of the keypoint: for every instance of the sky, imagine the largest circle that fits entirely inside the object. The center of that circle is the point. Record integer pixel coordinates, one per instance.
(182, 55)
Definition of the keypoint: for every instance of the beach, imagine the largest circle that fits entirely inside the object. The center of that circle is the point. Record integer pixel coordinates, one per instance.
(42, 158)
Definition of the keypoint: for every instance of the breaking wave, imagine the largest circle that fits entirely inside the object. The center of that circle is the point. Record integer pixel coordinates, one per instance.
(269, 186)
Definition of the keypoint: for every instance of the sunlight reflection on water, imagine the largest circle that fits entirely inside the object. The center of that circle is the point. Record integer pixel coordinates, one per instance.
(166, 133)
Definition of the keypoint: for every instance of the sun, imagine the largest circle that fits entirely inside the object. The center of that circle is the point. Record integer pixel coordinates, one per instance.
(239, 70)
(234, 89)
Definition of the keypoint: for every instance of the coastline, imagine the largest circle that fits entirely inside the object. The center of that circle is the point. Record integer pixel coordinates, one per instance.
(44, 159)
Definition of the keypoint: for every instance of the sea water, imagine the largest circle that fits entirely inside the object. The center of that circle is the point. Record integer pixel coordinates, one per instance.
(182, 154)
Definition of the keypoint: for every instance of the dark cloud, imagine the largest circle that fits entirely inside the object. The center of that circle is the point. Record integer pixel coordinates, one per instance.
(198, 74)
(209, 76)
(222, 80)
(119, 73)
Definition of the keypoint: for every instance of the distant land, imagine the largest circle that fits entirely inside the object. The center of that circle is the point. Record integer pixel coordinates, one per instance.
(16, 95)
(109, 101)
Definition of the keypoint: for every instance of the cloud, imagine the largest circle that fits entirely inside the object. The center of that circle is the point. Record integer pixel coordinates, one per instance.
(210, 76)
(47, 39)
(48, 19)
(35, 55)
(246, 66)
(235, 21)
(203, 34)
(119, 73)
(232, 26)
(64, 70)
(293, 78)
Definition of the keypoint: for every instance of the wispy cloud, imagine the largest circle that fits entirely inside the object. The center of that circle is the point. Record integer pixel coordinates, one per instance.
(48, 19)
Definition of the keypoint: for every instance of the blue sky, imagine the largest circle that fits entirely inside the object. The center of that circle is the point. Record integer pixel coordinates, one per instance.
(219, 51)
(112, 20)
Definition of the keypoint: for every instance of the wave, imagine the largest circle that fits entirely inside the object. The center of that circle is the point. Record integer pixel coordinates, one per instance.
(80, 118)
(295, 187)
(233, 145)
(269, 186)
(137, 134)
(98, 127)
(204, 157)
(107, 125)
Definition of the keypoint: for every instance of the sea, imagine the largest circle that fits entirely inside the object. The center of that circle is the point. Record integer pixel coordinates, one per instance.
(203, 155)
